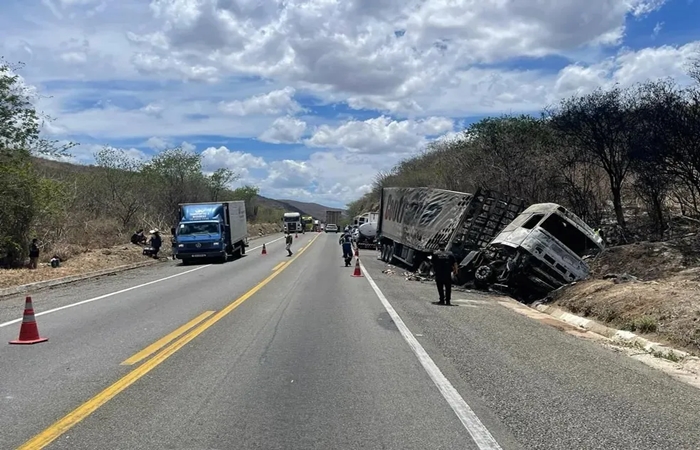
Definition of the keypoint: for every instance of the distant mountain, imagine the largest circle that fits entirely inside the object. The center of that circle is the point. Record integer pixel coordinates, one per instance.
(307, 209)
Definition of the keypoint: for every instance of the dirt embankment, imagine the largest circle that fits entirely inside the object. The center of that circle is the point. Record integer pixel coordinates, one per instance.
(647, 288)
(84, 260)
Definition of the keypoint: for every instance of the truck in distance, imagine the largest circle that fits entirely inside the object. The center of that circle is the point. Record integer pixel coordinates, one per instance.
(333, 220)
(308, 223)
(211, 230)
(292, 222)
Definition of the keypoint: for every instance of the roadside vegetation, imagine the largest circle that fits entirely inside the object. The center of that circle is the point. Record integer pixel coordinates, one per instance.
(627, 161)
(72, 209)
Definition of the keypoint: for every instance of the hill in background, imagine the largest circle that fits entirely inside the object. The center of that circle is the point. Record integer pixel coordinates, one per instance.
(308, 209)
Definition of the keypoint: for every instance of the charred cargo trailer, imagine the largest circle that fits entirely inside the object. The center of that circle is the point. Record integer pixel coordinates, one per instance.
(414, 221)
(544, 248)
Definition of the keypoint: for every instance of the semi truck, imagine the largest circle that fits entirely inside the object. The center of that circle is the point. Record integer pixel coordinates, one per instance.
(413, 222)
(366, 230)
(333, 220)
(544, 248)
(499, 243)
(292, 222)
(308, 223)
(215, 230)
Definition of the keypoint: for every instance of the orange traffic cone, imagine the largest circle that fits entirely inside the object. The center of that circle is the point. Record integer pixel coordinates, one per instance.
(357, 272)
(296, 235)
(29, 332)
(264, 251)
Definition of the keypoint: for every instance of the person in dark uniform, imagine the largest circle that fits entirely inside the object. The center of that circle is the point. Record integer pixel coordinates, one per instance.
(444, 265)
(346, 241)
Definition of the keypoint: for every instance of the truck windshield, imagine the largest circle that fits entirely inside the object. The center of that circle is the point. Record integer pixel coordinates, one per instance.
(291, 219)
(569, 235)
(193, 228)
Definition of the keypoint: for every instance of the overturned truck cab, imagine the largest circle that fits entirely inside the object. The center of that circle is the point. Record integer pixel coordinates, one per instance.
(542, 249)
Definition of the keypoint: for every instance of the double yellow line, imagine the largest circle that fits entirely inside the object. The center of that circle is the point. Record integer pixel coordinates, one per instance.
(202, 323)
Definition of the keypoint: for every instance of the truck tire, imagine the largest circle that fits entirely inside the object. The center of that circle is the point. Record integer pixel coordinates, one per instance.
(242, 248)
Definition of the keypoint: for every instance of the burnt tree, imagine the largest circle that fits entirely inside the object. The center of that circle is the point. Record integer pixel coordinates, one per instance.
(601, 126)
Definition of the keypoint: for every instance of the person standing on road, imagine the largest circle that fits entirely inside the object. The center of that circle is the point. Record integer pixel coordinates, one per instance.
(288, 240)
(444, 265)
(346, 242)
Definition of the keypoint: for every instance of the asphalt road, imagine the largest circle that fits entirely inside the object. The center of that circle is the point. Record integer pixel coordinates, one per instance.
(294, 353)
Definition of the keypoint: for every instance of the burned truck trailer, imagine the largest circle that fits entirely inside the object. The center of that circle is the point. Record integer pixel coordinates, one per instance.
(414, 221)
(544, 248)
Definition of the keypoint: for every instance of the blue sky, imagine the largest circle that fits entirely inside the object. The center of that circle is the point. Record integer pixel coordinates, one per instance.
(309, 99)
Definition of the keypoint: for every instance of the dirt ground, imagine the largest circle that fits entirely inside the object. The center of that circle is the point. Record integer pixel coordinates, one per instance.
(91, 260)
(652, 289)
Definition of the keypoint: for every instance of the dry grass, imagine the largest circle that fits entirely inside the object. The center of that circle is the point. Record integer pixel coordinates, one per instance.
(664, 303)
(88, 257)
(82, 263)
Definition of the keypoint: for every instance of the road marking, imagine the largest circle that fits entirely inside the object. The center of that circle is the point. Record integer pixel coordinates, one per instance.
(64, 424)
(278, 266)
(479, 433)
(112, 294)
(165, 340)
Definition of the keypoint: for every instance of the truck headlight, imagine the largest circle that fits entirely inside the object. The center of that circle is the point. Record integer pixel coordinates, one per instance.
(216, 243)
(180, 245)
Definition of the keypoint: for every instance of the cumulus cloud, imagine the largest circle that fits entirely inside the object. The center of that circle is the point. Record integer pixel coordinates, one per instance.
(284, 130)
(239, 162)
(409, 71)
(274, 102)
(380, 135)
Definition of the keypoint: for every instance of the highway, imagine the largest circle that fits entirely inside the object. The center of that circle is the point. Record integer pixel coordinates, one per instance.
(272, 352)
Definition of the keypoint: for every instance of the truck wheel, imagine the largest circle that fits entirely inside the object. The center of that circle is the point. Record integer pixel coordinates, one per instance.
(242, 251)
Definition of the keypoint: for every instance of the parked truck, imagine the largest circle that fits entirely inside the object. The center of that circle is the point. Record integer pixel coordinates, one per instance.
(366, 230)
(308, 223)
(333, 220)
(414, 221)
(292, 222)
(211, 230)
(544, 248)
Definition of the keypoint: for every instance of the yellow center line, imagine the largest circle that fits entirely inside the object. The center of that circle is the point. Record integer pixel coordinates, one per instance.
(64, 424)
(278, 266)
(162, 342)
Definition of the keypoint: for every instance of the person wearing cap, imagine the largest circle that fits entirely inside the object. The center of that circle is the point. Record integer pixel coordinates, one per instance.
(156, 242)
(444, 265)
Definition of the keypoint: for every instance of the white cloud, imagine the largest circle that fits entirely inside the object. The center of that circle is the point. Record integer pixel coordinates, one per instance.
(274, 102)
(284, 130)
(164, 71)
(380, 135)
(158, 143)
(240, 163)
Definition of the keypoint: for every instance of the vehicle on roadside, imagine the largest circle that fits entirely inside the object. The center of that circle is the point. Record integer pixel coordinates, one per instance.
(217, 230)
(542, 249)
(331, 228)
(414, 221)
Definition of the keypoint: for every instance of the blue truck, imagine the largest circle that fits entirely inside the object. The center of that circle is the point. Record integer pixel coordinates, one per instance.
(215, 230)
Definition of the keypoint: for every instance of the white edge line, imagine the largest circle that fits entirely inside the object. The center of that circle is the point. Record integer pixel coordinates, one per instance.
(478, 431)
(111, 294)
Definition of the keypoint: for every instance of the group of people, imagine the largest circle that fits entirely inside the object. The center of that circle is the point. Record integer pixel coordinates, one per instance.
(155, 242)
